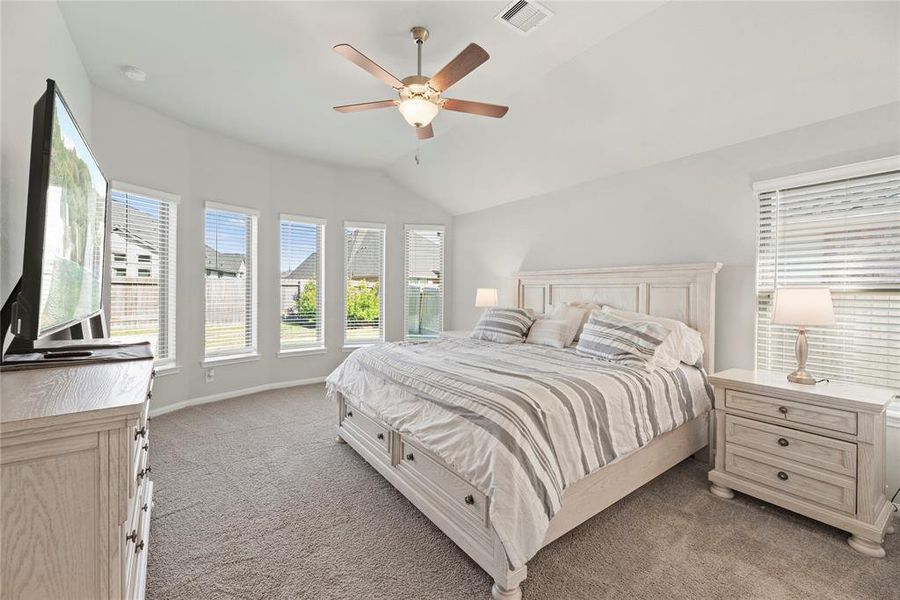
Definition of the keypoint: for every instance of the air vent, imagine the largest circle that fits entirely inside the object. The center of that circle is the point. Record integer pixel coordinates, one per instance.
(524, 16)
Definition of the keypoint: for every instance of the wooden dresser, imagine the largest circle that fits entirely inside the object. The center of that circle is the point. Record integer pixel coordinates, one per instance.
(816, 450)
(75, 492)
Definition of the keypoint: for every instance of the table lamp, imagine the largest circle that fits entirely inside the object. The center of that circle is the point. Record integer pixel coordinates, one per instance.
(803, 307)
(485, 297)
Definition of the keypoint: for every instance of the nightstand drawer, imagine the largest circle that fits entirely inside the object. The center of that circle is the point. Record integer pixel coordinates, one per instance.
(794, 412)
(807, 448)
(821, 487)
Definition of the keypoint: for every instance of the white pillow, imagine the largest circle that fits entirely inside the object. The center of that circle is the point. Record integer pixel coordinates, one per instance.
(548, 332)
(587, 307)
(574, 316)
(684, 345)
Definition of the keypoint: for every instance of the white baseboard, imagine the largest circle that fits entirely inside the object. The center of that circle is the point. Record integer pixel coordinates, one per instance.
(232, 394)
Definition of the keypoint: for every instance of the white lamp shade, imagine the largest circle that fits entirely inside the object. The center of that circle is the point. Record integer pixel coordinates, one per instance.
(486, 297)
(804, 307)
(418, 112)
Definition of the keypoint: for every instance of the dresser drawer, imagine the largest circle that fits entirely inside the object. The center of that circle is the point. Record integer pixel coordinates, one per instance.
(139, 446)
(827, 489)
(375, 433)
(792, 412)
(455, 491)
(806, 448)
(136, 551)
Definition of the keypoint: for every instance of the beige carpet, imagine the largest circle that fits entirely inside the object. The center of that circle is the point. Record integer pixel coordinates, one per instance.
(255, 500)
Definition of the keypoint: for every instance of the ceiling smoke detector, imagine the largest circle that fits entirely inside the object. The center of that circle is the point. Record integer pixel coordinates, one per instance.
(134, 74)
(523, 16)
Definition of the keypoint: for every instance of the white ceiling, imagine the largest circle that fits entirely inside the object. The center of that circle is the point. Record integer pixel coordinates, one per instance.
(601, 88)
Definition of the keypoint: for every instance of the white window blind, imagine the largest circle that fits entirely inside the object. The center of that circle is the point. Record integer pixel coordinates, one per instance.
(142, 285)
(300, 288)
(424, 278)
(230, 322)
(845, 235)
(363, 283)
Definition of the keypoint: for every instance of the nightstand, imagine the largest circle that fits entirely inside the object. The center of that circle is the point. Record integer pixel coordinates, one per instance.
(818, 450)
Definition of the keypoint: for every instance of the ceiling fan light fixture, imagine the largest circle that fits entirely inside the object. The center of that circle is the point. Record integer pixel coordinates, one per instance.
(417, 111)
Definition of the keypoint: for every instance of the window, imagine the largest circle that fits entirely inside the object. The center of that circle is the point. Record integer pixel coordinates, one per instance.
(838, 229)
(142, 299)
(144, 258)
(230, 327)
(363, 283)
(424, 275)
(301, 286)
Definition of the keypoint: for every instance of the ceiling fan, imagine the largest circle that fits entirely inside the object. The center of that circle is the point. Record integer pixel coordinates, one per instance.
(420, 97)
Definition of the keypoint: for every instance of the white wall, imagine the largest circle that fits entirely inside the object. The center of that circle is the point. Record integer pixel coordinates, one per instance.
(139, 146)
(699, 208)
(34, 46)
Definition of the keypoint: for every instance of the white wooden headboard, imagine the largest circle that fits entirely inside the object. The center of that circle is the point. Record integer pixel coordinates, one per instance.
(686, 292)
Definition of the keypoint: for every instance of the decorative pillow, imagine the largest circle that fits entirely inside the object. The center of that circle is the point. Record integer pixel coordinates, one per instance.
(611, 338)
(574, 316)
(684, 345)
(503, 325)
(549, 332)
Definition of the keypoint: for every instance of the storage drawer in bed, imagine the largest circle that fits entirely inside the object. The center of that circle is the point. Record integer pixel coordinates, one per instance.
(443, 482)
(371, 431)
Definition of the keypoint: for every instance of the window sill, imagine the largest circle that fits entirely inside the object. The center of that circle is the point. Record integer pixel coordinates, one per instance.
(167, 369)
(229, 360)
(302, 352)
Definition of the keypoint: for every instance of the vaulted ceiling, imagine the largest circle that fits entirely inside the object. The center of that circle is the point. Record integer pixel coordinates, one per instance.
(600, 88)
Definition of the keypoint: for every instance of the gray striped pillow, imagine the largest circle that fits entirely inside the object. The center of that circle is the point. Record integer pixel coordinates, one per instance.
(611, 338)
(503, 325)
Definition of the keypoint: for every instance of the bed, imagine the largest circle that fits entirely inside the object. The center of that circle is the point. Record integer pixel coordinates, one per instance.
(506, 447)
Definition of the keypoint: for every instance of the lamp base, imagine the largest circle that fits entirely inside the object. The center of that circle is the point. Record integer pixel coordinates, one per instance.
(801, 376)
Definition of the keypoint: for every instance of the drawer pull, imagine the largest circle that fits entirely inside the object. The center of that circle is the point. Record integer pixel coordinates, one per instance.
(380, 436)
(349, 413)
(144, 507)
(469, 499)
(139, 547)
(145, 447)
(141, 474)
(782, 476)
(140, 432)
(783, 443)
(782, 410)
(149, 394)
(410, 456)
(132, 537)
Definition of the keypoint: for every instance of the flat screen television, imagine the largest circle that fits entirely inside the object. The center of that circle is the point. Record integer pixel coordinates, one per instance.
(65, 227)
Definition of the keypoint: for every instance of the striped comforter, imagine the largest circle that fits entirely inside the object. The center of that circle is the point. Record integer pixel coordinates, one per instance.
(520, 422)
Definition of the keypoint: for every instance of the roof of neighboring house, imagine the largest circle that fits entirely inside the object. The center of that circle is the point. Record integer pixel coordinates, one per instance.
(224, 262)
(305, 270)
(135, 226)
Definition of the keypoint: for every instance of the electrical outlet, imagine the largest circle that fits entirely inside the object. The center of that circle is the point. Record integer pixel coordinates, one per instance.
(210, 375)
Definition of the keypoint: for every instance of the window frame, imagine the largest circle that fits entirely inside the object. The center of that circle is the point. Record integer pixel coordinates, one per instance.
(443, 231)
(169, 363)
(252, 353)
(382, 295)
(320, 223)
(823, 177)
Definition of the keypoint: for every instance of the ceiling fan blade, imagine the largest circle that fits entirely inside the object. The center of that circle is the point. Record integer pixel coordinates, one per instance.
(476, 108)
(349, 108)
(464, 63)
(360, 59)
(423, 133)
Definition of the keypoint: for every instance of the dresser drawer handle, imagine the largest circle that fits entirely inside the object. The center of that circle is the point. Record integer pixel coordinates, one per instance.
(149, 394)
(380, 436)
(782, 476)
(144, 507)
(145, 447)
(782, 410)
(410, 456)
(140, 432)
(469, 499)
(132, 537)
(141, 474)
(139, 547)
(349, 413)
(783, 443)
